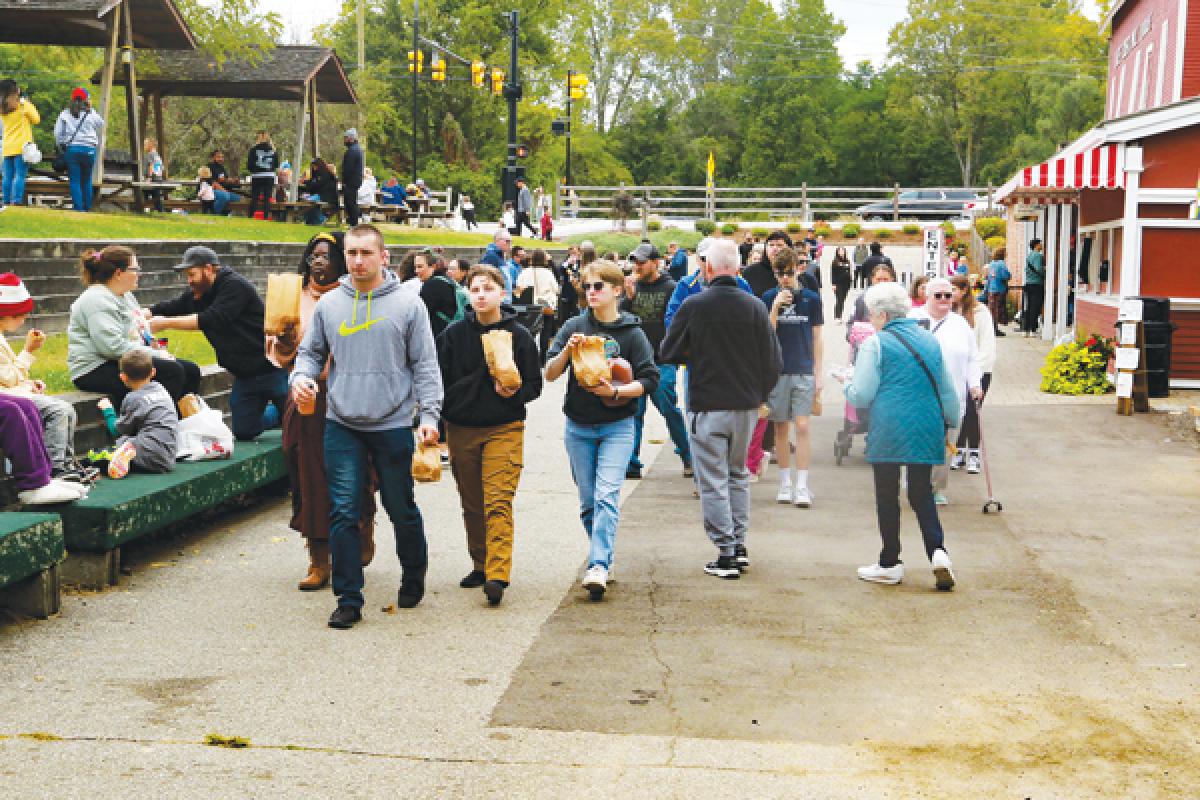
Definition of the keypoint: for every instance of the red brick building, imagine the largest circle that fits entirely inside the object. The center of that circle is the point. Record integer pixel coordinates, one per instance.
(1121, 195)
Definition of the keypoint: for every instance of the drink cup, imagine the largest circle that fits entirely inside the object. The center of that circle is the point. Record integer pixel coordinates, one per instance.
(306, 404)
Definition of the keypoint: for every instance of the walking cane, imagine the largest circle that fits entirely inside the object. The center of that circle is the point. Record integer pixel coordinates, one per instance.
(987, 473)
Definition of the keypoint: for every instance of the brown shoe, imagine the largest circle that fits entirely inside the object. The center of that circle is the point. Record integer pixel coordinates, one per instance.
(366, 540)
(318, 567)
(316, 579)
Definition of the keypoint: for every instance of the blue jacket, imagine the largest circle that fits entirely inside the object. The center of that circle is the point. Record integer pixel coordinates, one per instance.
(678, 266)
(907, 425)
(394, 195)
(494, 256)
(998, 278)
(687, 287)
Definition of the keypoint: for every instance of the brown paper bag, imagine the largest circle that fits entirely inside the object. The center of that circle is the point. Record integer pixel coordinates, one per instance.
(189, 404)
(498, 351)
(588, 361)
(427, 463)
(283, 303)
(816, 406)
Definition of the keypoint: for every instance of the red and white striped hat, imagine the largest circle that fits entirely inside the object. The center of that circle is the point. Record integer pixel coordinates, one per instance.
(14, 297)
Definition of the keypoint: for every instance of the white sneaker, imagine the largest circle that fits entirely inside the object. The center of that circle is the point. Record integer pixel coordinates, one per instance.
(611, 574)
(80, 489)
(959, 460)
(802, 497)
(877, 574)
(785, 494)
(973, 463)
(939, 497)
(596, 579)
(50, 493)
(942, 573)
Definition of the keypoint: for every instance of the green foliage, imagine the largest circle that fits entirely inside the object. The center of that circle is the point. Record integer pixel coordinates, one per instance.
(949, 228)
(654, 225)
(761, 231)
(995, 242)
(624, 242)
(911, 229)
(987, 227)
(706, 227)
(823, 230)
(1074, 368)
(850, 230)
(794, 227)
(729, 228)
(882, 233)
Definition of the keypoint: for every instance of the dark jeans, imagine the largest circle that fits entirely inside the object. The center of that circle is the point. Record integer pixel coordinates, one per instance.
(346, 453)
(155, 198)
(261, 190)
(667, 403)
(469, 218)
(1035, 295)
(523, 219)
(257, 403)
(968, 432)
(840, 291)
(80, 161)
(177, 376)
(887, 507)
(350, 203)
(223, 198)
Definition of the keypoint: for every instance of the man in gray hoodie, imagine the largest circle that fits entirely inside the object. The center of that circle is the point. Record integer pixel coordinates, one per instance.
(383, 372)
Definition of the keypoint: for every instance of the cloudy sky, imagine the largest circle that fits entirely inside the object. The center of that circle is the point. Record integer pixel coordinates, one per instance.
(867, 23)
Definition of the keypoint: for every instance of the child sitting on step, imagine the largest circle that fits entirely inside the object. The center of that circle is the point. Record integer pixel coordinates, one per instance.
(148, 420)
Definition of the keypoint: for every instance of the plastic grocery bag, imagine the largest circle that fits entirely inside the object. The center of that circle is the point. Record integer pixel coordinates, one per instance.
(427, 463)
(283, 303)
(498, 351)
(204, 436)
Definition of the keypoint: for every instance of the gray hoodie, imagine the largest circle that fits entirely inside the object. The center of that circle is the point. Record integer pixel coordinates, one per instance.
(382, 360)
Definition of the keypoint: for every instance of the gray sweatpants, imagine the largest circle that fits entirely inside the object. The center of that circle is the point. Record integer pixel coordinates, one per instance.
(58, 424)
(719, 443)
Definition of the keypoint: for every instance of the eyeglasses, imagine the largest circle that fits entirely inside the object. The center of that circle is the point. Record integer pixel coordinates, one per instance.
(942, 296)
(313, 259)
(594, 287)
(787, 274)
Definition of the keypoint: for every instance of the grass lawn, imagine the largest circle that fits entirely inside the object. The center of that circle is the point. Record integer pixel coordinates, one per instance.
(623, 243)
(51, 363)
(50, 223)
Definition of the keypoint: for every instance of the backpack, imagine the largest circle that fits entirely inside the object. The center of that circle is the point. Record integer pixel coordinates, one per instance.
(462, 299)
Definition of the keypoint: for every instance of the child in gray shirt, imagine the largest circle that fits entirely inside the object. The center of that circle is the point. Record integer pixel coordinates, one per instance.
(148, 420)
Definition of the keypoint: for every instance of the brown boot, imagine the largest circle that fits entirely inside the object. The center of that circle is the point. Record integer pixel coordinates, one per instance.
(318, 568)
(366, 540)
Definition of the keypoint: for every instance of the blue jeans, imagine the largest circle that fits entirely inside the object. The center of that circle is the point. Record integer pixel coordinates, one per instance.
(15, 170)
(599, 455)
(221, 198)
(391, 452)
(257, 403)
(667, 403)
(80, 161)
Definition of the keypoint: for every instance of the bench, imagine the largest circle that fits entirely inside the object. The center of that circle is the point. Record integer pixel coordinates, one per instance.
(435, 208)
(121, 511)
(31, 549)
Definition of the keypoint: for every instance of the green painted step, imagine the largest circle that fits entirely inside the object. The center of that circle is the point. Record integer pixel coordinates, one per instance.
(115, 512)
(29, 543)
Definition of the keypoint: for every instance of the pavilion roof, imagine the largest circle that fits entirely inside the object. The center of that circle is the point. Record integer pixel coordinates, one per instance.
(80, 23)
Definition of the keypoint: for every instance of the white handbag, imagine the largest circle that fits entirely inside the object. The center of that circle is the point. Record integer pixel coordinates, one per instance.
(204, 436)
(30, 153)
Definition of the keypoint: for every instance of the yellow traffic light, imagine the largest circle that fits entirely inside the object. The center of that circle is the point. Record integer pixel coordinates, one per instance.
(497, 82)
(437, 70)
(478, 74)
(416, 61)
(575, 86)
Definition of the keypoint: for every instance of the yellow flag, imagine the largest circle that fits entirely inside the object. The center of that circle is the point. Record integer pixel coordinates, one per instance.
(712, 168)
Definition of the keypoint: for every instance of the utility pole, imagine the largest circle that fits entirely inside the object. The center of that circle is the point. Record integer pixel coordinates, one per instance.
(512, 93)
(416, 49)
(362, 66)
(569, 86)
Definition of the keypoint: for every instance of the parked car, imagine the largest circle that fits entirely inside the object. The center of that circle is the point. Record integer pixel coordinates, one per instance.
(924, 203)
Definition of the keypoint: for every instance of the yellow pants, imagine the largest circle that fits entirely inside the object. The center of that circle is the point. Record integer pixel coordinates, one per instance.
(486, 463)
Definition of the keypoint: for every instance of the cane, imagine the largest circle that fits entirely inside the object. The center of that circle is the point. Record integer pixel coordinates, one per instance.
(987, 473)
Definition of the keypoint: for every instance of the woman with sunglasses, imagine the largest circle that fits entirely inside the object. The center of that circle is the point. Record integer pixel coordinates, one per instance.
(600, 421)
(960, 354)
(322, 266)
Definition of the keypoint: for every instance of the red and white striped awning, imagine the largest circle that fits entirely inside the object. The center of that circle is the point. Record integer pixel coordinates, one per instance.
(1095, 168)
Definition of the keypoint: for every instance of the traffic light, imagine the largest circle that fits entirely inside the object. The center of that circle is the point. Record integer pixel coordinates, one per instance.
(497, 82)
(437, 69)
(416, 61)
(522, 151)
(576, 83)
(478, 74)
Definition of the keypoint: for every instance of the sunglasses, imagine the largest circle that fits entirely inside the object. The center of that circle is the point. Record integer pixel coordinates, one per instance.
(942, 296)
(315, 258)
(787, 274)
(594, 287)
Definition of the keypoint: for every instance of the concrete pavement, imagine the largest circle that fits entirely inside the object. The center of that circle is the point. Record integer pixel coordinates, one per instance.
(1065, 664)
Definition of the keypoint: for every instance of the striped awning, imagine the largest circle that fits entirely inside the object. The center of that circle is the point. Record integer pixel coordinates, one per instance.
(1095, 168)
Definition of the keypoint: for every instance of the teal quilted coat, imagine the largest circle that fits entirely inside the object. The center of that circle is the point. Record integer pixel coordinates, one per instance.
(907, 426)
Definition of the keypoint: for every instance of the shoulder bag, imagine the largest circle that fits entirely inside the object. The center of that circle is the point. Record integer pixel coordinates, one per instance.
(928, 373)
(60, 150)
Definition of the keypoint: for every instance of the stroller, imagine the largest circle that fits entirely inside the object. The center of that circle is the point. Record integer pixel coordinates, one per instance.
(855, 422)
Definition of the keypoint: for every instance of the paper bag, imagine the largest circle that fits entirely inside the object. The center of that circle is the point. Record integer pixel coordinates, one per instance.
(283, 303)
(427, 463)
(190, 405)
(816, 406)
(589, 362)
(498, 351)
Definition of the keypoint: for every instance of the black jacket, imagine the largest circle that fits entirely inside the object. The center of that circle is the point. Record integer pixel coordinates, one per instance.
(441, 301)
(649, 303)
(725, 337)
(761, 277)
(352, 166)
(471, 399)
(323, 184)
(872, 261)
(231, 316)
(580, 405)
(262, 161)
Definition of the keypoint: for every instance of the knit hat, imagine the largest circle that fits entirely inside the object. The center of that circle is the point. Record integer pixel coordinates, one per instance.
(14, 297)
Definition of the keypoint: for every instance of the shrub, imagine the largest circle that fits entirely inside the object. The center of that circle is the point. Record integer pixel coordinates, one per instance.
(1075, 368)
(883, 233)
(911, 229)
(654, 225)
(729, 228)
(991, 227)
(996, 242)
(705, 226)
(823, 230)
(794, 227)
(948, 227)
(850, 230)
(761, 231)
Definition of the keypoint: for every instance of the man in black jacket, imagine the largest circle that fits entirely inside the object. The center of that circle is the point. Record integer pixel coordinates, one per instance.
(227, 308)
(760, 275)
(352, 176)
(733, 356)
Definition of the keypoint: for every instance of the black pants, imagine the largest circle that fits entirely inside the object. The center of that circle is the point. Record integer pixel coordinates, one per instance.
(549, 328)
(350, 203)
(469, 218)
(840, 290)
(1035, 296)
(860, 276)
(261, 190)
(522, 218)
(887, 507)
(155, 198)
(177, 376)
(968, 432)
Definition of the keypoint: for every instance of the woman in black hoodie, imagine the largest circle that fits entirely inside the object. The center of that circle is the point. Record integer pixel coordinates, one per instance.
(600, 432)
(485, 427)
(321, 187)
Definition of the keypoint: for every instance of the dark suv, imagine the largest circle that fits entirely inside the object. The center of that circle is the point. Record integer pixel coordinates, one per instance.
(925, 203)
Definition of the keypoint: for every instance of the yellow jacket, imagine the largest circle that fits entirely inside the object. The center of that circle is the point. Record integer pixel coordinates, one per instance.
(18, 127)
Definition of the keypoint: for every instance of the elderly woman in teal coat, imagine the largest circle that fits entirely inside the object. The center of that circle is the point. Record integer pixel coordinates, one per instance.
(899, 375)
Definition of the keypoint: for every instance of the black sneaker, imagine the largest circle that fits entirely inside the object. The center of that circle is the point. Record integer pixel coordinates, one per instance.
(724, 567)
(412, 588)
(474, 580)
(344, 617)
(633, 473)
(495, 591)
(741, 558)
(688, 472)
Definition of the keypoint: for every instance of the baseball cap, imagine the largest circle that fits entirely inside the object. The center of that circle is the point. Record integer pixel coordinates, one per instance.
(644, 252)
(702, 248)
(198, 256)
(80, 94)
(351, 134)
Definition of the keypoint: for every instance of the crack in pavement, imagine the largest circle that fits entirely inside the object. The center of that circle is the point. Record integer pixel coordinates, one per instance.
(668, 698)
